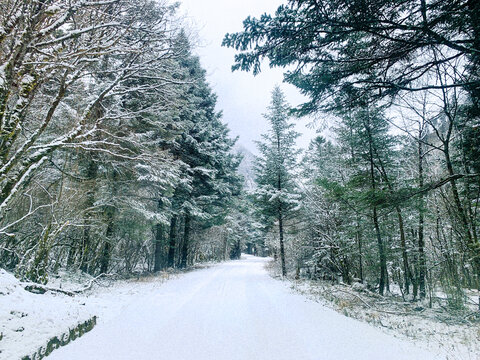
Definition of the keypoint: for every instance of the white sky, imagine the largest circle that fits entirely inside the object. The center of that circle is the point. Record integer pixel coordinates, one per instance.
(242, 97)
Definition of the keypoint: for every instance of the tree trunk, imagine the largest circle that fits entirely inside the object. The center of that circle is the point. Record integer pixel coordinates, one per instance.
(110, 213)
(282, 246)
(360, 252)
(89, 203)
(106, 253)
(422, 264)
(157, 261)
(403, 243)
(381, 252)
(381, 247)
(456, 197)
(157, 257)
(186, 240)
(105, 261)
(72, 251)
(280, 210)
(472, 243)
(173, 241)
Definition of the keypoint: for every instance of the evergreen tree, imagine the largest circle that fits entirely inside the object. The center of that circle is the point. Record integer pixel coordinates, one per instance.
(208, 171)
(277, 196)
(378, 45)
(328, 246)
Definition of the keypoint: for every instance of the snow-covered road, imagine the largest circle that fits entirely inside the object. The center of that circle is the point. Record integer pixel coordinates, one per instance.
(234, 311)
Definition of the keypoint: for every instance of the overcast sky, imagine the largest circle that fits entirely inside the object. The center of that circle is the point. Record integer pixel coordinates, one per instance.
(242, 97)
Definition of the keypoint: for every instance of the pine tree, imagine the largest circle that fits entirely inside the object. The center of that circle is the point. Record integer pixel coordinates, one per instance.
(353, 51)
(277, 195)
(208, 173)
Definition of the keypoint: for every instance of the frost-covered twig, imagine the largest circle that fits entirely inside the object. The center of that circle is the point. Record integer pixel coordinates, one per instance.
(91, 282)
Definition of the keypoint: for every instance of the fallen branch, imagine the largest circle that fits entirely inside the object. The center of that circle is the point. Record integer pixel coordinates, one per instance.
(42, 289)
(91, 282)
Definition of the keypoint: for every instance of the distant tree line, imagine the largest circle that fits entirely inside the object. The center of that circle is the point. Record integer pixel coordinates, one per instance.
(112, 155)
(392, 195)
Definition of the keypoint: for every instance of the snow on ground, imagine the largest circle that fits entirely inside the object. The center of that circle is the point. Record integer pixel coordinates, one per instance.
(435, 328)
(234, 311)
(28, 321)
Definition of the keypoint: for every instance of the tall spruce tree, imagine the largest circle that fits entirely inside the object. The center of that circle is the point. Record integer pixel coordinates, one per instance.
(277, 195)
(208, 180)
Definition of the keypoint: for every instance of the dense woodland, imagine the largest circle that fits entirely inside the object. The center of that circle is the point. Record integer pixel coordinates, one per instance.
(113, 158)
(389, 195)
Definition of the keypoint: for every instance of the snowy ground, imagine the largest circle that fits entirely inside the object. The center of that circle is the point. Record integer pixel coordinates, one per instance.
(28, 321)
(457, 335)
(231, 311)
(234, 310)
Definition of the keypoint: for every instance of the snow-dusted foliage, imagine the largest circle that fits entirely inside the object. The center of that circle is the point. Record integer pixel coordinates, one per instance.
(276, 195)
(393, 198)
(107, 132)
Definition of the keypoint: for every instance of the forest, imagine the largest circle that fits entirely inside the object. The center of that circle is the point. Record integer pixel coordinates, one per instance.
(388, 196)
(113, 157)
(115, 160)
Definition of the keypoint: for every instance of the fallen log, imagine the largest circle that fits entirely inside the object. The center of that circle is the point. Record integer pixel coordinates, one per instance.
(42, 289)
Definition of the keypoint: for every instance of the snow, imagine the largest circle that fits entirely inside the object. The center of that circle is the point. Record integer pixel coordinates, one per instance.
(28, 321)
(436, 328)
(2, 75)
(27, 79)
(231, 311)
(52, 9)
(43, 316)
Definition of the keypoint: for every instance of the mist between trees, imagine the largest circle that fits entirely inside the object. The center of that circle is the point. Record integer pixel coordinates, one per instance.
(391, 199)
